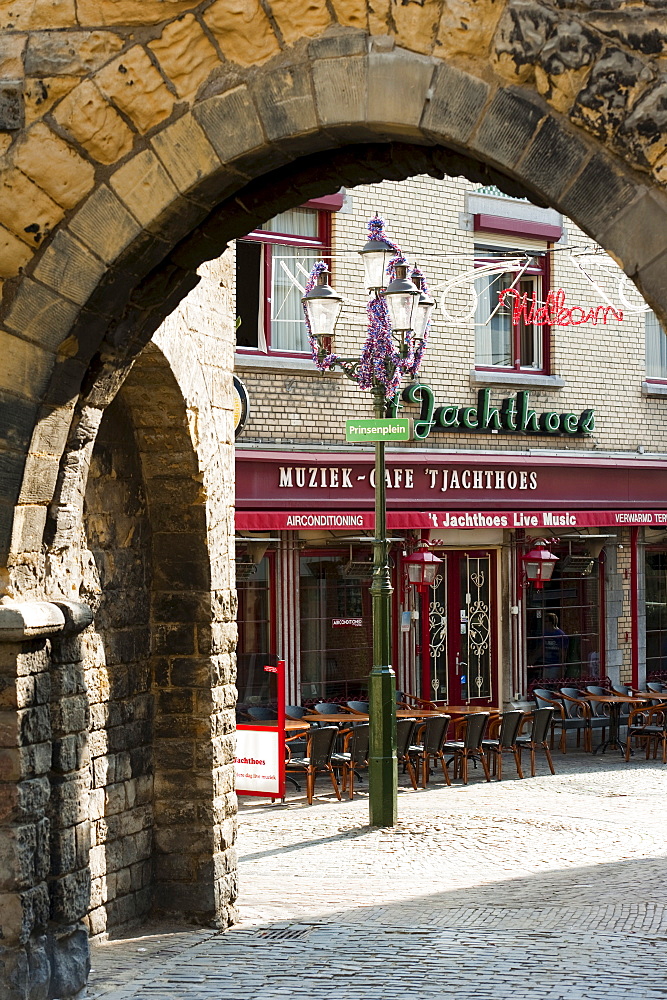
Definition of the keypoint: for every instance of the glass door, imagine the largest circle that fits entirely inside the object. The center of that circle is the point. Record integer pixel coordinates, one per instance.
(463, 654)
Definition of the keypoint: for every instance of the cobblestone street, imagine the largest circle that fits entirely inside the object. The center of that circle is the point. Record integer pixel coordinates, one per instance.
(547, 888)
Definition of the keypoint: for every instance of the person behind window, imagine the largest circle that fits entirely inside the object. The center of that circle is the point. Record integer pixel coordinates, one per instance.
(555, 645)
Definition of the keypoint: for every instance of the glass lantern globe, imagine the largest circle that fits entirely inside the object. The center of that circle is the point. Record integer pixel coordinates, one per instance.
(402, 296)
(539, 565)
(376, 255)
(422, 567)
(323, 305)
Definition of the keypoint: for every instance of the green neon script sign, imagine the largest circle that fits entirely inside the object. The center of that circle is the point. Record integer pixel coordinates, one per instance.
(379, 429)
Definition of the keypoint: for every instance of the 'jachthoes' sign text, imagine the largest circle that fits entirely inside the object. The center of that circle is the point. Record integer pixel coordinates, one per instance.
(513, 416)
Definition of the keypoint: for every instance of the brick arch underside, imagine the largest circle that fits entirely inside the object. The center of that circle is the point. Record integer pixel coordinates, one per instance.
(253, 147)
(150, 677)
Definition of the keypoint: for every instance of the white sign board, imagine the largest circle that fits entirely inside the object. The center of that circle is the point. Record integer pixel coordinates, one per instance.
(259, 761)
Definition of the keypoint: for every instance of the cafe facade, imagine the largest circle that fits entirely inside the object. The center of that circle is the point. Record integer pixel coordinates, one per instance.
(547, 429)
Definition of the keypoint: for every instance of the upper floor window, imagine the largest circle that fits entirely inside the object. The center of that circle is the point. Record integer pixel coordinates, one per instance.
(268, 303)
(656, 348)
(506, 335)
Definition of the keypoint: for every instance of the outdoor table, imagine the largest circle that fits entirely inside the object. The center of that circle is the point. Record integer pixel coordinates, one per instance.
(290, 725)
(335, 717)
(614, 701)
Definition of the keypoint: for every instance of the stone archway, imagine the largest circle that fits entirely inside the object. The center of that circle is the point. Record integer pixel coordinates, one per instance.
(160, 151)
(150, 143)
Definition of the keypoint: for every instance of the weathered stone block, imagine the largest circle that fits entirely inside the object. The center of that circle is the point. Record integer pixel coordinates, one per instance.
(70, 896)
(415, 72)
(214, 116)
(242, 30)
(70, 715)
(91, 120)
(70, 961)
(11, 105)
(135, 86)
(25, 209)
(14, 254)
(456, 105)
(341, 89)
(104, 224)
(507, 127)
(286, 103)
(185, 55)
(55, 166)
(597, 196)
(636, 231)
(53, 53)
(69, 799)
(190, 158)
(68, 266)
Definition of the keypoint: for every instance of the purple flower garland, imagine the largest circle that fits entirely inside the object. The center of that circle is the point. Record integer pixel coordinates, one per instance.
(380, 361)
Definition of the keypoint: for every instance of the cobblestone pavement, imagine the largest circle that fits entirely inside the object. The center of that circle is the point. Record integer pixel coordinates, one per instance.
(546, 888)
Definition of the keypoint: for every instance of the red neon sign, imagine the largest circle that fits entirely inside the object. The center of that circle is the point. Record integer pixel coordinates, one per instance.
(554, 312)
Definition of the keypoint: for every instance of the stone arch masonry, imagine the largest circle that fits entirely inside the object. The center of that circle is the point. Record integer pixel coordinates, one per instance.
(138, 138)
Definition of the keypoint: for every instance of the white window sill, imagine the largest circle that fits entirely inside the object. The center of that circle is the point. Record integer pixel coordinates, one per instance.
(519, 380)
(654, 389)
(269, 363)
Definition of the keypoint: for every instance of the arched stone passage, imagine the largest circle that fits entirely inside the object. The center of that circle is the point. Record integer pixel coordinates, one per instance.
(150, 785)
(199, 171)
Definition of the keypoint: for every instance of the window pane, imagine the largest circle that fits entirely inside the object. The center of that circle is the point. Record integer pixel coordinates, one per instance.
(493, 337)
(530, 335)
(656, 614)
(248, 287)
(295, 222)
(335, 659)
(254, 642)
(288, 328)
(656, 348)
(563, 625)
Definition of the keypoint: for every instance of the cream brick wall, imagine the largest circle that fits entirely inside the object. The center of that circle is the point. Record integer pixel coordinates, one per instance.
(603, 366)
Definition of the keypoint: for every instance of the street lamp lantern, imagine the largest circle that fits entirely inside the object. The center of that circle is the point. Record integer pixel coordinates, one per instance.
(423, 566)
(425, 307)
(539, 564)
(402, 297)
(391, 309)
(376, 255)
(322, 306)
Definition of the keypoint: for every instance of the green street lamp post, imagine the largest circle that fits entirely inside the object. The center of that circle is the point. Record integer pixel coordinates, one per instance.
(399, 313)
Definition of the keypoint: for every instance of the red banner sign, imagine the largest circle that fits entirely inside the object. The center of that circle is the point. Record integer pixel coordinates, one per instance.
(265, 520)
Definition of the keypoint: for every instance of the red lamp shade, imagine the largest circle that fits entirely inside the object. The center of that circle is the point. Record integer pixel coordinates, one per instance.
(422, 568)
(539, 564)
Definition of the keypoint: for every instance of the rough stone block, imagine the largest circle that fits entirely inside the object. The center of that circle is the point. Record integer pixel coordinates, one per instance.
(25, 209)
(300, 20)
(55, 166)
(69, 799)
(70, 962)
(14, 254)
(105, 225)
(135, 86)
(340, 43)
(190, 160)
(553, 158)
(214, 116)
(11, 105)
(637, 234)
(185, 55)
(242, 30)
(78, 53)
(341, 88)
(285, 102)
(91, 120)
(456, 105)
(69, 267)
(415, 73)
(507, 127)
(145, 187)
(597, 195)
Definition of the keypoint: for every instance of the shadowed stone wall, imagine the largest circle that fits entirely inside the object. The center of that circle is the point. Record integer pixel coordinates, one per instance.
(118, 679)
